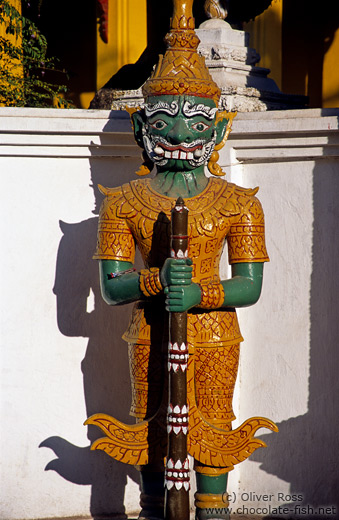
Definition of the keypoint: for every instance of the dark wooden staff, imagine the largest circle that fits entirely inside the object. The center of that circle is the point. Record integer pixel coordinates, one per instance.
(177, 466)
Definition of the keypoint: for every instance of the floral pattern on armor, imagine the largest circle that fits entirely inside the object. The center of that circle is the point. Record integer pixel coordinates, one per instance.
(212, 295)
(139, 213)
(215, 375)
(146, 392)
(135, 213)
(246, 239)
(115, 240)
(214, 328)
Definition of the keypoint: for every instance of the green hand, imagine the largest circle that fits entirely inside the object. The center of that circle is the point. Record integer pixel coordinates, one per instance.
(176, 277)
(182, 298)
(176, 272)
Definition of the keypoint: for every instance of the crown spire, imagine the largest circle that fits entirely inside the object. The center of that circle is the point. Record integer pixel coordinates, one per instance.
(182, 15)
(182, 71)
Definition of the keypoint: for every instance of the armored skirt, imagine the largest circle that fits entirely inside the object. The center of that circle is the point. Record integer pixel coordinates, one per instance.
(135, 215)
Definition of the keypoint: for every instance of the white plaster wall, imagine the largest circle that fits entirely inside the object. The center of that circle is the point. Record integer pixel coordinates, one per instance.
(274, 369)
(41, 376)
(50, 377)
(61, 355)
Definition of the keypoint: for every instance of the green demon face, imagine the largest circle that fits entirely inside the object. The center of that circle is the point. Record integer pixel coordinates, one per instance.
(178, 132)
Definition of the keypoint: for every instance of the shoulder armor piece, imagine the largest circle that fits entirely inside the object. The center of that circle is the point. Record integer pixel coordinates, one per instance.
(250, 192)
(109, 191)
(103, 190)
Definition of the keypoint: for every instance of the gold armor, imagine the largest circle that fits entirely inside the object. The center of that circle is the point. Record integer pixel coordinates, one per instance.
(223, 212)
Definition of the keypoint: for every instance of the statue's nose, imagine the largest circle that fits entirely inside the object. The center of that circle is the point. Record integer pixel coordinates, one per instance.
(179, 133)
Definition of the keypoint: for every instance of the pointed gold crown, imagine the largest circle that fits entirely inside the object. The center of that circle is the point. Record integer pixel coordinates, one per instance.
(182, 70)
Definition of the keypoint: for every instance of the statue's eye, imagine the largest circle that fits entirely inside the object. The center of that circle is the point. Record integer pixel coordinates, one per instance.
(200, 126)
(159, 124)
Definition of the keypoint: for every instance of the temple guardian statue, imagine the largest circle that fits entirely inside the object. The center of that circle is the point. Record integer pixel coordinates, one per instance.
(180, 131)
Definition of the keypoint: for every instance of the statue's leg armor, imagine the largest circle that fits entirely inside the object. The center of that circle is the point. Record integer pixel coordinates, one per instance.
(148, 382)
(211, 496)
(215, 375)
(152, 494)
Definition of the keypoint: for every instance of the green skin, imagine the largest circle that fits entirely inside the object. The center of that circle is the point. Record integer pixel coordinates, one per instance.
(179, 178)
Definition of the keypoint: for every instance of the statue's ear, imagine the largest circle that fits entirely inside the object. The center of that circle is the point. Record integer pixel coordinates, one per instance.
(220, 127)
(138, 121)
(223, 125)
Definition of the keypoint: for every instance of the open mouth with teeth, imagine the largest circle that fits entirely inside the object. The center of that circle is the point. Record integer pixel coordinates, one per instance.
(178, 152)
(160, 150)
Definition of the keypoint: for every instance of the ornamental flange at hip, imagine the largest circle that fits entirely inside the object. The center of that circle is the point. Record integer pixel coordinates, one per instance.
(207, 443)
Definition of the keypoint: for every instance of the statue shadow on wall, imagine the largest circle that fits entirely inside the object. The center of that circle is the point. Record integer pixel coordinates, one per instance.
(305, 451)
(81, 312)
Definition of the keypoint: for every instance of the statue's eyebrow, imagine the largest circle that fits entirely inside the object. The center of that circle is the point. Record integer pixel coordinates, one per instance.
(192, 110)
(161, 106)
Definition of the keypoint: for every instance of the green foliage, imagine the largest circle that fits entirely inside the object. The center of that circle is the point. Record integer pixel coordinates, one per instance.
(24, 64)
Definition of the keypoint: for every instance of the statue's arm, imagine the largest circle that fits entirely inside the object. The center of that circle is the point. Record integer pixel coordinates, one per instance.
(121, 288)
(242, 290)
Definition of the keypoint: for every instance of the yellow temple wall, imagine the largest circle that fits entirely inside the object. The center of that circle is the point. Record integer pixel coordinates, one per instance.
(331, 74)
(301, 62)
(265, 38)
(127, 39)
(13, 39)
(17, 5)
